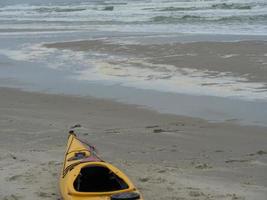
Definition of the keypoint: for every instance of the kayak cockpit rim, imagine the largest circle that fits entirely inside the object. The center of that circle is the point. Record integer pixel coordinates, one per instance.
(72, 190)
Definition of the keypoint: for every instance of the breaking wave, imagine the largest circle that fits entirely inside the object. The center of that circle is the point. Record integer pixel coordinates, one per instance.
(58, 9)
(233, 6)
(196, 18)
(223, 6)
(243, 17)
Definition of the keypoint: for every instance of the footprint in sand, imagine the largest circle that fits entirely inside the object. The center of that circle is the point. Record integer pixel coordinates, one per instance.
(161, 171)
(158, 130)
(13, 157)
(153, 126)
(43, 194)
(203, 166)
(175, 198)
(14, 178)
(237, 161)
(260, 152)
(195, 193)
(12, 197)
(113, 131)
(169, 189)
(25, 177)
(235, 197)
(145, 179)
(160, 180)
(218, 151)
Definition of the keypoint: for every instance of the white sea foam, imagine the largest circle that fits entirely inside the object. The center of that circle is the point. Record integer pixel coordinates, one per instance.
(168, 78)
(28, 53)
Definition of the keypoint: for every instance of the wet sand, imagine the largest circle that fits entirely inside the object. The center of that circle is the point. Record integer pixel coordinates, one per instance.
(246, 59)
(166, 156)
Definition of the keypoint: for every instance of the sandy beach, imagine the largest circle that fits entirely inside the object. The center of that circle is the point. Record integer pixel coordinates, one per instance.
(174, 93)
(167, 156)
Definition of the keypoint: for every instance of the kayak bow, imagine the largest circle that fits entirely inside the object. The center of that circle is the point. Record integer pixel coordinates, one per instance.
(85, 176)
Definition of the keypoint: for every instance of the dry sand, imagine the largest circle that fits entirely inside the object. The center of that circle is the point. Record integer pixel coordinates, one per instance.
(167, 157)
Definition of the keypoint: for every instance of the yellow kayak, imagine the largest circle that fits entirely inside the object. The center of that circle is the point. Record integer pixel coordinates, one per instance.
(85, 176)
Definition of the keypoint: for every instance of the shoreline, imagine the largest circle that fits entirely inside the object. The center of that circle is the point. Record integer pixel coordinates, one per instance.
(216, 57)
(168, 84)
(166, 156)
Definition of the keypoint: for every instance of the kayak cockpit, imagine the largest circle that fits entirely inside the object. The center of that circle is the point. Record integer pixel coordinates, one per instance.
(86, 176)
(96, 178)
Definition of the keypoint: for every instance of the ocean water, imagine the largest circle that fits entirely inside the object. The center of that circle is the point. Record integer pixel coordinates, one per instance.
(248, 17)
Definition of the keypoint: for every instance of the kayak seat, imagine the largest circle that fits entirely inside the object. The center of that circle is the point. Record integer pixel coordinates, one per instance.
(98, 179)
